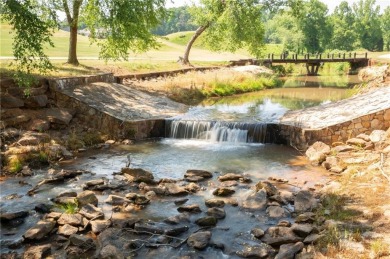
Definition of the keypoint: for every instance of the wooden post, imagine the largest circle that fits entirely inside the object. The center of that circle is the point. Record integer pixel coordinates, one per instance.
(354, 55)
(366, 55)
(332, 55)
(344, 56)
(320, 56)
(272, 56)
(350, 54)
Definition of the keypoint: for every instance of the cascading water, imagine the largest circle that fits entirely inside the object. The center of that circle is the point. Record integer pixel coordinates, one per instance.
(217, 131)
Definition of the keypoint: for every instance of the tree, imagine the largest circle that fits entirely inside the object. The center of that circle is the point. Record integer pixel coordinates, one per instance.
(178, 19)
(284, 29)
(342, 20)
(32, 26)
(228, 25)
(314, 25)
(385, 25)
(123, 25)
(368, 25)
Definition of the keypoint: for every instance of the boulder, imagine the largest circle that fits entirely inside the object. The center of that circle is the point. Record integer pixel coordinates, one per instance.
(71, 219)
(256, 201)
(223, 192)
(194, 175)
(193, 208)
(357, 142)
(182, 218)
(87, 197)
(67, 230)
(215, 203)
(257, 251)
(364, 137)
(192, 187)
(276, 212)
(92, 183)
(60, 116)
(116, 200)
(302, 230)
(90, 211)
(342, 148)
(317, 152)
(98, 226)
(288, 251)
(304, 201)
(174, 190)
(378, 136)
(40, 230)
(9, 216)
(307, 217)
(138, 175)
(35, 252)
(181, 201)
(199, 240)
(270, 189)
(141, 200)
(9, 101)
(82, 241)
(229, 177)
(257, 232)
(207, 221)
(218, 213)
(36, 101)
(276, 236)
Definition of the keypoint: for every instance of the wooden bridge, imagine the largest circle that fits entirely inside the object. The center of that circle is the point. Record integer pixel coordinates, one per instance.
(312, 61)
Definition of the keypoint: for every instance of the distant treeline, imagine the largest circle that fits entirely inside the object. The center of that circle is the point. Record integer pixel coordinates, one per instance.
(312, 29)
(179, 19)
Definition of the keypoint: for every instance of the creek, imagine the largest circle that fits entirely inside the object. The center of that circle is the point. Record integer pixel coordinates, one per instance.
(214, 136)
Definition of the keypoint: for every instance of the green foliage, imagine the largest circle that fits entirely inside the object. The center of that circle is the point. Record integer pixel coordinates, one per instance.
(231, 24)
(344, 36)
(177, 20)
(314, 25)
(385, 25)
(69, 207)
(368, 25)
(124, 25)
(225, 88)
(15, 165)
(32, 29)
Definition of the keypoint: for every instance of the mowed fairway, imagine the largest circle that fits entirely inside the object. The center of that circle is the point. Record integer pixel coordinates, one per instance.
(170, 48)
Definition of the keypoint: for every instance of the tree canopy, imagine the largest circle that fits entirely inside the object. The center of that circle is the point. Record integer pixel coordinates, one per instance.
(228, 25)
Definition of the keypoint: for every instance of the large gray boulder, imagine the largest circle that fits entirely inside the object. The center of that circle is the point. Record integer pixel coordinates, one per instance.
(304, 201)
(40, 230)
(199, 240)
(276, 236)
(137, 175)
(288, 251)
(256, 201)
(317, 152)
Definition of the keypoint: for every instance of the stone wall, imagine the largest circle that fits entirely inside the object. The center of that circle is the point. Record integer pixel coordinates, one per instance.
(103, 122)
(301, 138)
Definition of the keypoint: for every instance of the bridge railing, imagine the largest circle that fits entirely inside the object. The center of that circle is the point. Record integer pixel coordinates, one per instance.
(317, 56)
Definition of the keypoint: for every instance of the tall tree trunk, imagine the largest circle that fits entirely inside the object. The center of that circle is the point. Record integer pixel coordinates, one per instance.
(198, 32)
(72, 16)
(72, 55)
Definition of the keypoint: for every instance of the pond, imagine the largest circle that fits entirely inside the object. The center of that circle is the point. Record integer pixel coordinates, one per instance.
(172, 156)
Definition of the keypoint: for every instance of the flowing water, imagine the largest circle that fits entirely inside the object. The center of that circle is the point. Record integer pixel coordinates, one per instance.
(220, 135)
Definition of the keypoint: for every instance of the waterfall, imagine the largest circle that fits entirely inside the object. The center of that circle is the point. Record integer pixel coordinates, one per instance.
(217, 131)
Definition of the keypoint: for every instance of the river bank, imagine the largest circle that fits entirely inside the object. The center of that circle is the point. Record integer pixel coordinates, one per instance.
(268, 206)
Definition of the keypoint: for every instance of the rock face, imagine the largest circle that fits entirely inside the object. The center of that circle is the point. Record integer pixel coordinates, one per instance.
(194, 175)
(304, 201)
(137, 175)
(317, 152)
(40, 230)
(276, 236)
(289, 251)
(257, 251)
(256, 201)
(35, 252)
(199, 240)
(87, 197)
